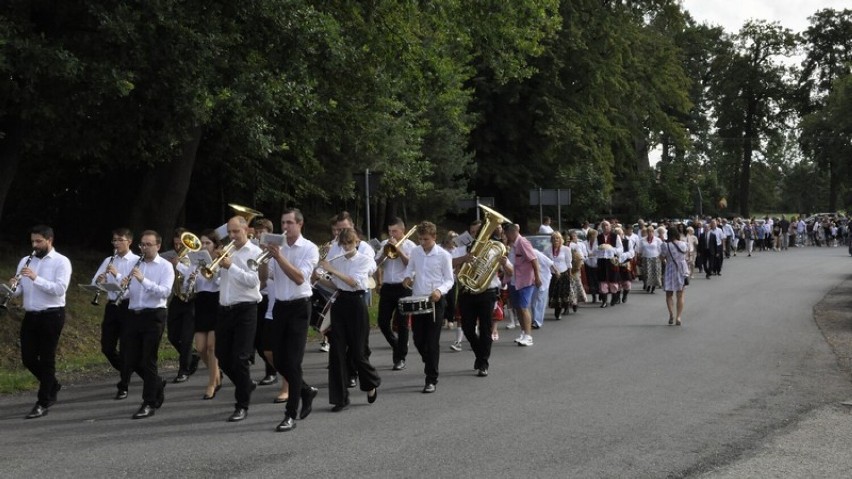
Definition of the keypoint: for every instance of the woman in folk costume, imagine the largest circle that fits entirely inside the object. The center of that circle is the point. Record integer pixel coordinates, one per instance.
(625, 266)
(578, 258)
(649, 249)
(560, 284)
(608, 251)
(590, 266)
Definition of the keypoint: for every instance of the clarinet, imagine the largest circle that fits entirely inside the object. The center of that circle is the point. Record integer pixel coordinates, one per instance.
(95, 301)
(125, 285)
(5, 303)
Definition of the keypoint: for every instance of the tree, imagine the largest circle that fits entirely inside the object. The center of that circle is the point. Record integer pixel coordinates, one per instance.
(749, 96)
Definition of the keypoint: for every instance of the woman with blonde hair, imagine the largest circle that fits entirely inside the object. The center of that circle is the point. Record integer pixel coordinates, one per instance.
(692, 249)
(560, 283)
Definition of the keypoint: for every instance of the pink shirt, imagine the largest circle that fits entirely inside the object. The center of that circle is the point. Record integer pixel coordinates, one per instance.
(523, 256)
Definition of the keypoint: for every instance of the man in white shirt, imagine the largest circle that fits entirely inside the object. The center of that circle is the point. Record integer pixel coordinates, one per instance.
(290, 269)
(236, 322)
(393, 272)
(149, 285)
(43, 279)
(541, 293)
(113, 270)
(430, 274)
(545, 228)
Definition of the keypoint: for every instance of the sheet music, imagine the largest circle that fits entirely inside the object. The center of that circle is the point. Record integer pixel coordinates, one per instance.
(271, 238)
(200, 258)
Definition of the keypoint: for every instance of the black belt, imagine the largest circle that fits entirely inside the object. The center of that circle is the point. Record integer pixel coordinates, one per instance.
(244, 304)
(146, 310)
(489, 290)
(352, 293)
(293, 301)
(47, 311)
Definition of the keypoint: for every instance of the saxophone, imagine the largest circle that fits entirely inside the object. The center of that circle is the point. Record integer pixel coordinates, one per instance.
(476, 274)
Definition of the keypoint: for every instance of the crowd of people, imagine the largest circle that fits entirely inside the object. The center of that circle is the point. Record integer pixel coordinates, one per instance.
(240, 298)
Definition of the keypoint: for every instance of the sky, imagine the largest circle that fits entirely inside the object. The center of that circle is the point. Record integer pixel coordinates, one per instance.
(732, 14)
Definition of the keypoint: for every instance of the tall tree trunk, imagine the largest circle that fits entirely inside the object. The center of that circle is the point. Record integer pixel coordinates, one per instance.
(745, 171)
(10, 155)
(162, 195)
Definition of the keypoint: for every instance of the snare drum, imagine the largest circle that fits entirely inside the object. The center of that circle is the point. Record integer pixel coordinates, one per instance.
(416, 305)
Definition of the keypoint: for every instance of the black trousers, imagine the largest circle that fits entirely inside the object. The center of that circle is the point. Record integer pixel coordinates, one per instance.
(143, 331)
(290, 332)
(426, 329)
(350, 330)
(181, 327)
(258, 334)
(235, 328)
(111, 328)
(389, 311)
(40, 333)
(478, 308)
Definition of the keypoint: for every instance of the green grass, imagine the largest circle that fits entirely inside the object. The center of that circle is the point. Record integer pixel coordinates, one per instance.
(78, 355)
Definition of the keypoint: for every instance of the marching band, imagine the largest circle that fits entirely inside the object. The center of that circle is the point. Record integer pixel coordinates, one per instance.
(210, 299)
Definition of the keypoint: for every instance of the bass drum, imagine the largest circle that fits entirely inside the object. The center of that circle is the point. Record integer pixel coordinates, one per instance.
(321, 302)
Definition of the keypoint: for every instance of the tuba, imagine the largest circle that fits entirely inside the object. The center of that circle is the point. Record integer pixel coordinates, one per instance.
(476, 274)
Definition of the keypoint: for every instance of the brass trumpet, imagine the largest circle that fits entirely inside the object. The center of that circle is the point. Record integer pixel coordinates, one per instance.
(210, 270)
(391, 251)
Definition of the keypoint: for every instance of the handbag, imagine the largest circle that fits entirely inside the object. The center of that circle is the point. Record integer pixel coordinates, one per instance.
(497, 315)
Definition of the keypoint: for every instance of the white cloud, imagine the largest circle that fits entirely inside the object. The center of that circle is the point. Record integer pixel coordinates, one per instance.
(732, 14)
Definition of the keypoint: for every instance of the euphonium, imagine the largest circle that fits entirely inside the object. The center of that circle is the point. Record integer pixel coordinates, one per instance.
(189, 242)
(476, 274)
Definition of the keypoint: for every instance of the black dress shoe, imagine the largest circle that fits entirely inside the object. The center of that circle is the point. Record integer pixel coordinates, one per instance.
(288, 424)
(483, 372)
(308, 401)
(429, 388)
(37, 411)
(161, 394)
(121, 394)
(238, 415)
(372, 399)
(340, 407)
(399, 365)
(267, 380)
(144, 411)
(180, 378)
(352, 383)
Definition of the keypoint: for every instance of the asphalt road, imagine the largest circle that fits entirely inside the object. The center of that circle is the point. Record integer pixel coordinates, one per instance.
(605, 393)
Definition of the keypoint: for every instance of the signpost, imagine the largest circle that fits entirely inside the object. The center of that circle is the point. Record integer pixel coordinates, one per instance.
(550, 197)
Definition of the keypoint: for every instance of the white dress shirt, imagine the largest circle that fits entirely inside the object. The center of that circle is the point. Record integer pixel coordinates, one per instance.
(53, 273)
(239, 284)
(359, 267)
(304, 255)
(123, 264)
(430, 271)
(158, 276)
(544, 263)
(394, 269)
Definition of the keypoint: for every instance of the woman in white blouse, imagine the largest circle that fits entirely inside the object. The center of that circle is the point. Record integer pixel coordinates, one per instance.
(560, 283)
(350, 322)
(649, 249)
